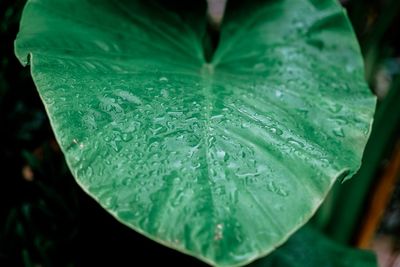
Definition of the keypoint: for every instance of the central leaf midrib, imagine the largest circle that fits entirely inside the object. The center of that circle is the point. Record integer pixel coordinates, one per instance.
(207, 77)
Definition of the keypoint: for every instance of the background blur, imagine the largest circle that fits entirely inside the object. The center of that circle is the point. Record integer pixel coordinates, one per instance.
(47, 220)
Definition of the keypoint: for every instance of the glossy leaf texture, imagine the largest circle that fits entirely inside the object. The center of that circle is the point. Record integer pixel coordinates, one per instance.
(309, 248)
(222, 160)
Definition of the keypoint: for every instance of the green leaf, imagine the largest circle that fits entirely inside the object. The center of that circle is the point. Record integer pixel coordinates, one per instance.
(349, 205)
(222, 160)
(309, 248)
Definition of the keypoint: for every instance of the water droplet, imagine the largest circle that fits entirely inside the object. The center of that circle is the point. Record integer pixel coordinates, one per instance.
(127, 181)
(115, 145)
(250, 177)
(298, 25)
(325, 162)
(245, 125)
(303, 112)
(177, 200)
(350, 68)
(220, 153)
(238, 233)
(273, 187)
(197, 165)
(129, 97)
(177, 180)
(226, 157)
(335, 108)
(211, 140)
(319, 44)
(126, 137)
(217, 117)
(259, 67)
(276, 131)
(278, 93)
(295, 142)
(175, 113)
(164, 93)
(338, 132)
(89, 121)
(163, 79)
(218, 231)
(220, 190)
(102, 45)
(89, 172)
(341, 120)
(110, 202)
(128, 215)
(278, 207)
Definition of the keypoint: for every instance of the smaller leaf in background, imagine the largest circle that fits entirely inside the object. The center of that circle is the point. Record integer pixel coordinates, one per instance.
(309, 248)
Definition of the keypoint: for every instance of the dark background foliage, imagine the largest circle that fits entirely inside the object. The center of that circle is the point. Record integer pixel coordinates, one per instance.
(47, 220)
